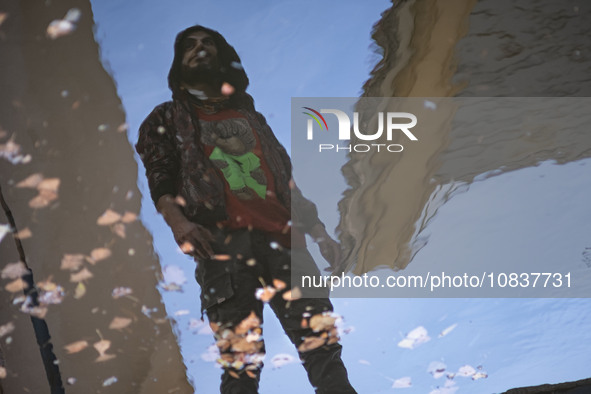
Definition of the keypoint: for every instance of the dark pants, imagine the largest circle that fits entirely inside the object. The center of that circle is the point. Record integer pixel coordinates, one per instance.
(246, 262)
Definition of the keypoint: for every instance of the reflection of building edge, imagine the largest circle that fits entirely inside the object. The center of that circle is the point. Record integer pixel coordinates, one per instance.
(407, 34)
(409, 69)
(97, 172)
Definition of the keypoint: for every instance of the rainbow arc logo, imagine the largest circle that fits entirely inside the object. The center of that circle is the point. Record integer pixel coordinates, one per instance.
(316, 119)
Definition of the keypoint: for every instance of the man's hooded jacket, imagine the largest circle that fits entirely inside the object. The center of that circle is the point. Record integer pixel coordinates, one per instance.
(170, 148)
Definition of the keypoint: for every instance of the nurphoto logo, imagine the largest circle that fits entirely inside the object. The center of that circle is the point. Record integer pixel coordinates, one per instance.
(392, 121)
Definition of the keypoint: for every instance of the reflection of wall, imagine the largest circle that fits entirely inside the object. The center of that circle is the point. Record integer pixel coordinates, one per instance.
(61, 107)
(468, 48)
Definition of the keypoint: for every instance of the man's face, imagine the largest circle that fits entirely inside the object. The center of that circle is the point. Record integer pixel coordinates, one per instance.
(199, 51)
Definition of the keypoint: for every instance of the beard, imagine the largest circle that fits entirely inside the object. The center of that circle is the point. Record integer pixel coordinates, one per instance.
(202, 73)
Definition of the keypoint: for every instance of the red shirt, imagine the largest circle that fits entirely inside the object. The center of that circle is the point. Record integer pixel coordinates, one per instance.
(251, 202)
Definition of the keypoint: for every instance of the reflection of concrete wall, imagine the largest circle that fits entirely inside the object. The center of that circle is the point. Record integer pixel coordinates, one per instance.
(465, 48)
(61, 107)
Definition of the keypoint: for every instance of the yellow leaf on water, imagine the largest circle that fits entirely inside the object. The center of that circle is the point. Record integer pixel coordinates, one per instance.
(80, 291)
(108, 217)
(75, 347)
(50, 185)
(72, 262)
(293, 294)
(119, 323)
(119, 229)
(24, 233)
(14, 270)
(104, 357)
(102, 346)
(250, 322)
(43, 199)
(279, 284)
(128, 217)
(311, 343)
(322, 322)
(31, 181)
(80, 276)
(47, 285)
(16, 286)
(99, 254)
(234, 374)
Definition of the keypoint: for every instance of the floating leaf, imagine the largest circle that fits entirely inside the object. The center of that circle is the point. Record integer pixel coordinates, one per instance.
(128, 217)
(16, 286)
(47, 285)
(119, 229)
(72, 262)
(279, 284)
(234, 374)
(84, 274)
(108, 217)
(32, 181)
(62, 27)
(187, 247)
(76, 347)
(250, 322)
(36, 311)
(293, 294)
(119, 323)
(23, 234)
(240, 344)
(101, 347)
(99, 254)
(43, 199)
(14, 270)
(49, 185)
(80, 291)
(265, 294)
(122, 128)
(51, 293)
(322, 322)
(6, 329)
(311, 343)
(120, 292)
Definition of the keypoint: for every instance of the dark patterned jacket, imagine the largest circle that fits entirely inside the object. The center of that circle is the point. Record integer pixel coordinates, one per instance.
(170, 148)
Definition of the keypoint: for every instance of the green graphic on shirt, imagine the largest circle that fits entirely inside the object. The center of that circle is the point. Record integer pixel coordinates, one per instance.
(239, 169)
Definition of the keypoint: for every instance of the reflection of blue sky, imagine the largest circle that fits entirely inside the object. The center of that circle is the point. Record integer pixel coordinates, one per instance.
(307, 48)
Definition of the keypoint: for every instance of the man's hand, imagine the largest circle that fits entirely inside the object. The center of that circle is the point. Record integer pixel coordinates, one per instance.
(192, 238)
(329, 248)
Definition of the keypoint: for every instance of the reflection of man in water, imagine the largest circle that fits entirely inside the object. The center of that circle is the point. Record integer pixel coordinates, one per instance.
(223, 183)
